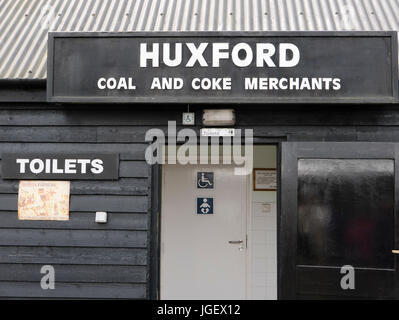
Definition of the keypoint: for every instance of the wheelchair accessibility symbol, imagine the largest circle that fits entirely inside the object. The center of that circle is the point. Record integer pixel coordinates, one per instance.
(205, 180)
(204, 205)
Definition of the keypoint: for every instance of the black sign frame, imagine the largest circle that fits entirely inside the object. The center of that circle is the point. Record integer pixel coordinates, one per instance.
(10, 168)
(391, 35)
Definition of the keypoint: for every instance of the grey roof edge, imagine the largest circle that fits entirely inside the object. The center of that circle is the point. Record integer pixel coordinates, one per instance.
(24, 24)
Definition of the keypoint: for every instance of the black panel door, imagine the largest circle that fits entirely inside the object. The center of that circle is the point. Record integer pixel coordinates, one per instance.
(338, 222)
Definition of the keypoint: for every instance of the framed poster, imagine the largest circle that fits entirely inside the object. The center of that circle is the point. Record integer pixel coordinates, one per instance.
(43, 200)
(264, 179)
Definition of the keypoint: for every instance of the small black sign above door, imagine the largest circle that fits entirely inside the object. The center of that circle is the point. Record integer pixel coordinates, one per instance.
(60, 166)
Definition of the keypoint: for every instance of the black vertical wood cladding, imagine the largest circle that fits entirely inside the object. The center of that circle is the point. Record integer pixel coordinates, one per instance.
(120, 259)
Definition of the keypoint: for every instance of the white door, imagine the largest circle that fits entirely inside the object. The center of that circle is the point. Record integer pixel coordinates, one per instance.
(203, 256)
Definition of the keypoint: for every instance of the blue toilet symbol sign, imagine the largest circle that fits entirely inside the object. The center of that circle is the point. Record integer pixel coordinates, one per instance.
(204, 205)
(205, 180)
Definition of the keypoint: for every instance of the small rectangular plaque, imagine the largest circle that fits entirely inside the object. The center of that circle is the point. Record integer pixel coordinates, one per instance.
(264, 179)
(217, 132)
(43, 200)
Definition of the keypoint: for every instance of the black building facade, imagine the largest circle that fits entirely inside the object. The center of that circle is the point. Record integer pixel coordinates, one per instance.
(337, 185)
(120, 260)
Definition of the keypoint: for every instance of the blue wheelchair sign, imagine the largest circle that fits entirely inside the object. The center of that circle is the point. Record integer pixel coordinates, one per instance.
(204, 205)
(205, 180)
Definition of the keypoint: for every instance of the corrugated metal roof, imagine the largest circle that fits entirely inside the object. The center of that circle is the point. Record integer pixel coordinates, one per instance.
(24, 23)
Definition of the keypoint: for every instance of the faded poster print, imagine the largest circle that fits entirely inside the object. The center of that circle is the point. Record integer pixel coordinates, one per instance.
(43, 200)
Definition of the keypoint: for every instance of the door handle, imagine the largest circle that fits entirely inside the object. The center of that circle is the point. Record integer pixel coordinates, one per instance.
(395, 251)
(236, 241)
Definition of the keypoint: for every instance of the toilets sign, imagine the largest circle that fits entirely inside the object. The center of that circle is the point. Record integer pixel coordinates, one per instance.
(241, 67)
(60, 166)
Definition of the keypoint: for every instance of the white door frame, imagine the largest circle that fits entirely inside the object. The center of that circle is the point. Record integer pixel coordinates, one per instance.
(248, 264)
(248, 218)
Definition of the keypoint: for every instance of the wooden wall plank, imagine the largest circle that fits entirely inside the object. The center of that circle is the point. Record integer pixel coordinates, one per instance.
(78, 220)
(8, 202)
(314, 115)
(95, 115)
(109, 203)
(122, 115)
(123, 186)
(73, 290)
(48, 134)
(74, 273)
(126, 151)
(135, 134)
(122, 134)
(136, 169)
(25, 114)
(72, 238)
(384, 133)
(73, 256)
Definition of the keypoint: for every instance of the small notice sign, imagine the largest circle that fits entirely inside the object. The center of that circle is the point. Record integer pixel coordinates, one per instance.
(43, 200)
(204, 205)
(265, 179)
(205, 180)
(218, 132)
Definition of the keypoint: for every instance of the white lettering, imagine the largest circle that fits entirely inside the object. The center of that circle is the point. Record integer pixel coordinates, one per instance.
(36, 166)
(116, 84)
(211, 83)
(336, 84)
(242, 55)
(178, 55)
(97, 165)
(292, 84)
(149, 55)
(197, 54)
(236, 57)
(122, 84)
(251, 84)
(22, 163)
(111, 83)
(55, 167)
(101, 83)
(264, 52)
(70, 166)
(83, 164)
(48, 165)
(218, 54)
(284, 48)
